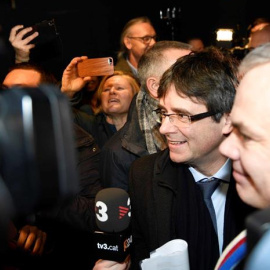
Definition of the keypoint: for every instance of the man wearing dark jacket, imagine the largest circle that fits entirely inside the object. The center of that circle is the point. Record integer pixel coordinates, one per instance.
(167, 188)
(140, 135)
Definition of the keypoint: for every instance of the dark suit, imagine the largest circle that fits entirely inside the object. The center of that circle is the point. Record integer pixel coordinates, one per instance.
(167, 204)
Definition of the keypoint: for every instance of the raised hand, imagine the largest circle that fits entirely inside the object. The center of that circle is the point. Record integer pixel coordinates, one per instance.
(71, 81)
(21, 45)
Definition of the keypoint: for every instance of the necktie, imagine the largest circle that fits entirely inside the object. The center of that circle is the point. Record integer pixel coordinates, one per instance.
(207, 188)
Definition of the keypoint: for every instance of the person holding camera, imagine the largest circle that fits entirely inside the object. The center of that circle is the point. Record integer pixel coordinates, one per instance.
(114, 96)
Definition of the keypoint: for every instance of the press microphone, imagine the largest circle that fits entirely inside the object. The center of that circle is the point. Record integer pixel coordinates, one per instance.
(113, 214)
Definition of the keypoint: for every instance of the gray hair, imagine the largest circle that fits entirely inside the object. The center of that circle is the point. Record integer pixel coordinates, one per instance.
(151, 62)
(254, 58)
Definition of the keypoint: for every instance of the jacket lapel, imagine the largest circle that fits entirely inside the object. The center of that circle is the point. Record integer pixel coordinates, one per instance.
(164, 192)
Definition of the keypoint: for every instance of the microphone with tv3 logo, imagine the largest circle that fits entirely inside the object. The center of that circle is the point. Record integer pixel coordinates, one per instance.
(113, 214)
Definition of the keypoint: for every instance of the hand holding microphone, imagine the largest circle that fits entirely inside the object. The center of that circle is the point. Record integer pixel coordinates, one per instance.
(113, 214)
(105, 264)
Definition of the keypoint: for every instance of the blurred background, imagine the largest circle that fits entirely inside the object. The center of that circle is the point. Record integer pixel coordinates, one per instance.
(93, 28)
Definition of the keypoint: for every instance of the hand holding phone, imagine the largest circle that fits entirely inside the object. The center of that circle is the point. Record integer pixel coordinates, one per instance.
(46, 29)
(96, 67)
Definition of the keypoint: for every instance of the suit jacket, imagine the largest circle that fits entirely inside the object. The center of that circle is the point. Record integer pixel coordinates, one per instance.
(123, 65)
(166, 204)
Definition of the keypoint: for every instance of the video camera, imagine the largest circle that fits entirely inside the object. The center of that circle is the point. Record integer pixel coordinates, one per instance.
(37, 162)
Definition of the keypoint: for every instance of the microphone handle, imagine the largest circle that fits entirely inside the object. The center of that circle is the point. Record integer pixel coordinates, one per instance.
(112, 246)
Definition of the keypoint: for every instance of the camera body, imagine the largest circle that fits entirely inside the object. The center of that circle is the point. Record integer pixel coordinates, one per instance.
(38, 162)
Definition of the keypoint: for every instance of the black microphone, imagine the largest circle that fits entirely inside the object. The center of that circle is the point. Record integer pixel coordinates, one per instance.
(113, 214)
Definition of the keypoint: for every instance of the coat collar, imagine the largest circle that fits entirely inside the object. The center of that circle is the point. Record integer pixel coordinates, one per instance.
(164, 166)
(165, 189)
(132, 137)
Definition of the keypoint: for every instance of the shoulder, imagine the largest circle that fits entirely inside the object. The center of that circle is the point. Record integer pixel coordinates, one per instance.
(142, 175)
(114, 142)
(81, 133)
(81, 116)
(121, 61)
(123, 65)
(149, 164)
(149, 159)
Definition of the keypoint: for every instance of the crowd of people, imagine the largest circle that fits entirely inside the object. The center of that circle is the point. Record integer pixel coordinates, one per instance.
(172, 121)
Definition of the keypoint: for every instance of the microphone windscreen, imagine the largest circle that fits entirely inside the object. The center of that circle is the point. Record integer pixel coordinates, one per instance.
(112, 208)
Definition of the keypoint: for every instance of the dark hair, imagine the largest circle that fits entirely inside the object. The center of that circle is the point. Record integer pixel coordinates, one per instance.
(209, 77)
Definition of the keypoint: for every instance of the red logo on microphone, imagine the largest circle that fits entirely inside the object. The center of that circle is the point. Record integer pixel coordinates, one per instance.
(123, 211)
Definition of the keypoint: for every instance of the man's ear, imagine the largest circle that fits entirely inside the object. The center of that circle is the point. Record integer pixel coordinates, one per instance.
(127, 43)
(152, 85)
(227, 128)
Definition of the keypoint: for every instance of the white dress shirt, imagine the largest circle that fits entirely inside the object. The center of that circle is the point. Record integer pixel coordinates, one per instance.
(219, 195)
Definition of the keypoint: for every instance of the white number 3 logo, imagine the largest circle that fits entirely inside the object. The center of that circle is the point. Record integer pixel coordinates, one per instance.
(102, 211)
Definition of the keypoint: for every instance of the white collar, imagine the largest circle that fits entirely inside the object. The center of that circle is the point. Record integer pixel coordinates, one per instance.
(223, 173)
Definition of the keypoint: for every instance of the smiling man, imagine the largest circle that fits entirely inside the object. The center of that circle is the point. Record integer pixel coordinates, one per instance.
(166, 189)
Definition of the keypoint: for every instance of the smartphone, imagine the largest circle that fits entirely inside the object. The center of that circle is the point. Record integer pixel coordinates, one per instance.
(46, 29)
(96, 67)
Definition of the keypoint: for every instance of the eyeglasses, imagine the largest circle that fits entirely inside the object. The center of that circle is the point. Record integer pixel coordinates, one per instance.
(146, 39)
(180, 118)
